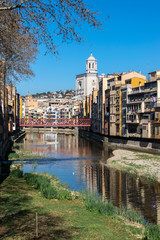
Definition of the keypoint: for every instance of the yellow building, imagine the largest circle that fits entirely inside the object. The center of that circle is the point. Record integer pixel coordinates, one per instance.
(20, 108)
(31, 106)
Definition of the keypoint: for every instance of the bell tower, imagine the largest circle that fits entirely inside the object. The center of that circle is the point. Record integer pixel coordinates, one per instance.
(91, 65)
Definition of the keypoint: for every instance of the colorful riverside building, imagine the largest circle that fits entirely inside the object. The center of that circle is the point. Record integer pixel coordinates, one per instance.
(142, 109)
(110, 119)
(118, 101)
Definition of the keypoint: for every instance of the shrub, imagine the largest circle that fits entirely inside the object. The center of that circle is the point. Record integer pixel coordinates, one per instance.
(13, 155)
(17, 173)
(152, 232)
(64, 194)
(36, 180)
(49, 191)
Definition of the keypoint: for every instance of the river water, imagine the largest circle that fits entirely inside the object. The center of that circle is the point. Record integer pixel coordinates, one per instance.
(77, 162)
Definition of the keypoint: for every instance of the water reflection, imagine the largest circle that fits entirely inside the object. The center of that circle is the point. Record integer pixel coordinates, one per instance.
(76, 161)
(121, 189)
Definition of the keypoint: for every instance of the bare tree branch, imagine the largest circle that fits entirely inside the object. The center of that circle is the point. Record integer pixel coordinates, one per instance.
(53, 21)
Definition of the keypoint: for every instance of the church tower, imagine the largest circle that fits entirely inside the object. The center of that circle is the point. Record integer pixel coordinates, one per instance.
(91, 65)
(87, 82)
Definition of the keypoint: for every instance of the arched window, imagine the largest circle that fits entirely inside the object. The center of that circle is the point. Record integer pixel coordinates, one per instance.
(80, 84)
(92, 65)
(89, 65)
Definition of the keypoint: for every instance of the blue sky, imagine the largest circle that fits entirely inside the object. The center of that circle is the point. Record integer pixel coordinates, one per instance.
(130, 40)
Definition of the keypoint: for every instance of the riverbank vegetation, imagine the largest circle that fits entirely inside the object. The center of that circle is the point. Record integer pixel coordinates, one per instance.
(135, 163)
(20, 154)
(63, 214)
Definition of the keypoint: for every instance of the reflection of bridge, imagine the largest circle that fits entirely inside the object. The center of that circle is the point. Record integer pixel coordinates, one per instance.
(25, 122)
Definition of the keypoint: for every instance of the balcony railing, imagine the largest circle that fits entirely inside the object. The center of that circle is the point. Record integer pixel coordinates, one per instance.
(135, 92)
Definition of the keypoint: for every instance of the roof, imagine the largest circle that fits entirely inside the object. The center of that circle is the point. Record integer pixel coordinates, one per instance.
(91, 57)
(154, 71)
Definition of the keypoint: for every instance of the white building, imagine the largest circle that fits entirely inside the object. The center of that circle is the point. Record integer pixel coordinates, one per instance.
(87, 82)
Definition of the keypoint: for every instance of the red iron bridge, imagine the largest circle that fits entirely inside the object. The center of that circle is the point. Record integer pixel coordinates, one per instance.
(25, 122)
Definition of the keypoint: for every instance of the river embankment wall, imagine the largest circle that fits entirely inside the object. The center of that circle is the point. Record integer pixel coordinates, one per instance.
(5, 146)
(8, 142)
(144, 145)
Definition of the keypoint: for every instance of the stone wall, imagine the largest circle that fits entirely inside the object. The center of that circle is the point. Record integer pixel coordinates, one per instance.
(145, 145)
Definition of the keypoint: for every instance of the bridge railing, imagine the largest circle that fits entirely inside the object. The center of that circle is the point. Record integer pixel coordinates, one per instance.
(60, 122)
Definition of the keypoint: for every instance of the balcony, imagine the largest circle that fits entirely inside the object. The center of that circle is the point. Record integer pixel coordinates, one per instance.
(157, 104)
(135, 101)
(148, 90)
(136, 92)
(132, 118)
(133, 121)
(132, 111)
(150, 99)
(148, 110)
(140, 111)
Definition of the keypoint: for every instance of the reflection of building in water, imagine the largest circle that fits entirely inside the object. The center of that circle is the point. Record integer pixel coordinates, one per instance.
(124, 190)
(51, 142)
(51, 137)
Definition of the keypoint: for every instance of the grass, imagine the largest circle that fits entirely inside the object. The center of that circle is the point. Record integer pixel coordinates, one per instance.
(135, 165)
(147, 156)
(57, 219)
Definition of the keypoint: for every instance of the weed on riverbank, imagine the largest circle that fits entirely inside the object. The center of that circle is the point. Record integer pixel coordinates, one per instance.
(48, 186)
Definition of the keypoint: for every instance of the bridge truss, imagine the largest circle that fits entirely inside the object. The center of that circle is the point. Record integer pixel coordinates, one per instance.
(26, 122)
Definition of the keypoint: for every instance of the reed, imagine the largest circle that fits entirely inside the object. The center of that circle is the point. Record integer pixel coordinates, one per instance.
(94, 202)
(152, 232)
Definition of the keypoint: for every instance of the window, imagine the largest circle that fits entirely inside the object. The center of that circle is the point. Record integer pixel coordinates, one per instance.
(117, 128)
(89, 65)
(157, 130)
(153, 130)
(92, 65)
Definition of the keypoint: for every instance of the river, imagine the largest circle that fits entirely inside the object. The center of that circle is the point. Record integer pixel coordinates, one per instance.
(77, 162)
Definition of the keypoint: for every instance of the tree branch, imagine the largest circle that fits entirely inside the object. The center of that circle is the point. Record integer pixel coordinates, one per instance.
(8, 8)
